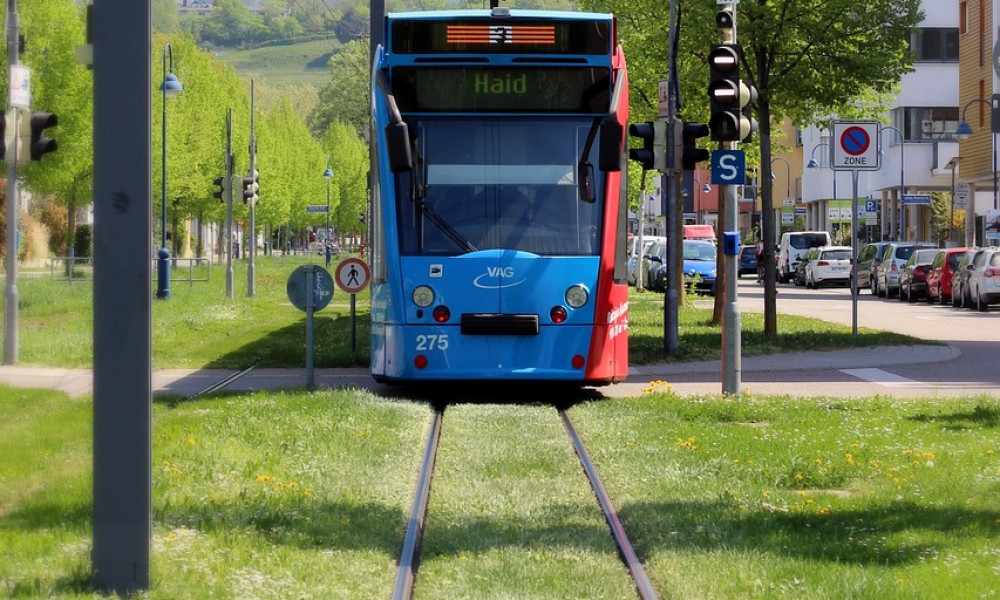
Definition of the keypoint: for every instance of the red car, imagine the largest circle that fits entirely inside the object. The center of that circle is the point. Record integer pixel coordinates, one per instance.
(941, 272)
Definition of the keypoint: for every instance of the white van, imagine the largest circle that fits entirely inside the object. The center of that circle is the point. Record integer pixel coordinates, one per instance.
(793, 245)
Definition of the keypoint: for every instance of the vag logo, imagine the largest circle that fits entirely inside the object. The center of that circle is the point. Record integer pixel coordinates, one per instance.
(496, 278)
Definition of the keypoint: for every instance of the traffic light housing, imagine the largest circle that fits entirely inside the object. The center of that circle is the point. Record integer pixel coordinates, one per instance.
(4, 142)
(688, 150)
(250, 187)
(32, 133)
(728, 95)
(653, 153)
(223, 185)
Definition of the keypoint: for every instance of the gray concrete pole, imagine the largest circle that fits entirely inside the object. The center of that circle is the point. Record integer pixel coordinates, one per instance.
(10, 321)
(123, 213)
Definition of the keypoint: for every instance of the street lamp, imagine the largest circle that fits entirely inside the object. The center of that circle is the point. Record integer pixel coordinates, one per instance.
(951, 165)
(170, 87)
(964, 132)
(328, 173)
(814, 164)
(902, 186)
(788, 179)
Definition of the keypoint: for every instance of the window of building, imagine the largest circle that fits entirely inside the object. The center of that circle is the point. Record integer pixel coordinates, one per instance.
(935, 44)
(925, 123)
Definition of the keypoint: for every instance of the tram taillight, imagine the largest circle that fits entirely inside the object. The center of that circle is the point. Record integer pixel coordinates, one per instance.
(441, 314)
(557, 314)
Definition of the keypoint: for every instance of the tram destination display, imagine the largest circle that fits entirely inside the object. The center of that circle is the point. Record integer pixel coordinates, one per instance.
(502, 89)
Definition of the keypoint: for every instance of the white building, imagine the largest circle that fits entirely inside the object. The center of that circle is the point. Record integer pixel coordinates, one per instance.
(925, 115)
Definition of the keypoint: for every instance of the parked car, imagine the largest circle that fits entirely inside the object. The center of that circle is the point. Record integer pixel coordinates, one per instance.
(828, 265)
(959, 281)
(635, 254)
(799, 272)
(869, 258)
(748, 260)
(941, 272)
(913, 276)
(793, 246)
(700, 265)
(984, 280)
(894, 256)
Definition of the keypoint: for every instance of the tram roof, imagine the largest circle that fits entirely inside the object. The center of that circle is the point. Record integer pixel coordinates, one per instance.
(443, 15)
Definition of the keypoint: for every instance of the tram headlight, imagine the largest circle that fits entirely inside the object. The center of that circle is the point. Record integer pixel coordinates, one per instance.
(423, 296)
(576, 296)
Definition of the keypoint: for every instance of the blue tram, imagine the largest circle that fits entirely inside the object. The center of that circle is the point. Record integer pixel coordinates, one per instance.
(498, 225)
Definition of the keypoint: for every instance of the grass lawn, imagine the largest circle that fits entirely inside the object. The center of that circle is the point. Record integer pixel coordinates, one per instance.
(305, 495)
(200, 327)
(282, 65)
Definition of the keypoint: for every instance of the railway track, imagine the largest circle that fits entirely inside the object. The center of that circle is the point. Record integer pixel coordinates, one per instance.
(409, 559)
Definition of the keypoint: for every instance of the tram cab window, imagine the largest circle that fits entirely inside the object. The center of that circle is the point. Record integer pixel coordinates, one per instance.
(507, 184)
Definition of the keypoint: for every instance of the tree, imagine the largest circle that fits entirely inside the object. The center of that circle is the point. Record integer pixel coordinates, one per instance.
(344, 98)
(350, 174)
(808, 59)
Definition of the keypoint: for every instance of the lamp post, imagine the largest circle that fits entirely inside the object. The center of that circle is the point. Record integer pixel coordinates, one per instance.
(951, 165)
(902, 185)
(964, 132)
(814, 164)
(328, 173)
(170, 88)
(788, 180)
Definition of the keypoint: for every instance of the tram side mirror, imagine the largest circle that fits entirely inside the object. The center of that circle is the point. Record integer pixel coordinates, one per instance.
(397, 141)
(611, 146)
(585, 182)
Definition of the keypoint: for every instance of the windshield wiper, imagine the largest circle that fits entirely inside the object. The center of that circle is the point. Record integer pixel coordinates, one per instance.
(428, 211)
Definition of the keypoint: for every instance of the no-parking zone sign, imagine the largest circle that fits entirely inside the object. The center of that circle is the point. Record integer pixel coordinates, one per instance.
(856, 146)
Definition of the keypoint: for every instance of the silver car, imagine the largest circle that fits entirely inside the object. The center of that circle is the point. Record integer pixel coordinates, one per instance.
(984, 279)
(894, 256)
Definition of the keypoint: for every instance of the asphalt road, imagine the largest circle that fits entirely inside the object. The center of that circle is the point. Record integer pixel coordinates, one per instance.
(963, 359)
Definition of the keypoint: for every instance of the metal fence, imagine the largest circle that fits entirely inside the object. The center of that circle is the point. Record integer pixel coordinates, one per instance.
(74, 269)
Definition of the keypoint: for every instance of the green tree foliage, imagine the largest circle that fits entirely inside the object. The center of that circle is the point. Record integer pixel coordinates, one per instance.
(345, 97)
(808, 59)
(350, 174)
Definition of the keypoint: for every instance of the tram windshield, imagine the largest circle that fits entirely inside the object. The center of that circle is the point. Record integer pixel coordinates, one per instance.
(500, 183)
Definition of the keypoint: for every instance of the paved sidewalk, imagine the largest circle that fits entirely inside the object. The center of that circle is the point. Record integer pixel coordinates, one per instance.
(802, 373)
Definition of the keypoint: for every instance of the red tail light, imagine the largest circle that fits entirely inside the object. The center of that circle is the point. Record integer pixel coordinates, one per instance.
(991, 273)
(822, 263)
(441, 313)
(557, 314)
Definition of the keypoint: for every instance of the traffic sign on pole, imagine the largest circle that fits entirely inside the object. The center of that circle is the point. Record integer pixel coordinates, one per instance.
(856, 146)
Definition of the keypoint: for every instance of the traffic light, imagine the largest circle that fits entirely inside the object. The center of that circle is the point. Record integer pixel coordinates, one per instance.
(223, 184)
(728, 95)
(250, 187)
(690, 153)
(3, 136)
(32, 133)
(653, 154)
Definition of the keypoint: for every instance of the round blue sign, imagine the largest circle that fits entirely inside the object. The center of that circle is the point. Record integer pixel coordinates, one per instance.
(855, 141)
(298, 287)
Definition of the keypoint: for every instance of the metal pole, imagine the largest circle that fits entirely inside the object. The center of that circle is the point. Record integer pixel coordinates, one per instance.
(310, 309)
(10, 321)
(854, 253)
(668, 195)
(123, 205)
(732, 366)
(163, 255)
(229, 204)
(251, 243)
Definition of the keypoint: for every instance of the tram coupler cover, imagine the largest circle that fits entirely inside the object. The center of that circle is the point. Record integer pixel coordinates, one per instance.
(731, 243)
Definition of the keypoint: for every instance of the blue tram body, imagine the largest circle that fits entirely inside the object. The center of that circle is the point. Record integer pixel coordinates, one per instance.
(498, 221)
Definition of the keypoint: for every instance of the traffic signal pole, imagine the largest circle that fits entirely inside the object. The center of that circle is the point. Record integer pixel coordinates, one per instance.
(669, 193)
(10, 320)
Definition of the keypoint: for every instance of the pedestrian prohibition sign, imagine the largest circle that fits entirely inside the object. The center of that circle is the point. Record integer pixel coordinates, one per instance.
(855, 146)
(352, 275)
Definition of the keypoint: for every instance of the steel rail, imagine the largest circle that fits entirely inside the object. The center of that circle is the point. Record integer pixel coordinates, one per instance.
(409, 557)
(642, 584)
(223, 383)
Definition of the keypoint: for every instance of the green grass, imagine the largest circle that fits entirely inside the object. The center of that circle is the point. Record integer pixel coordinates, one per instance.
(800, 498)
(283, 65)
(200, 327)
(305, 495)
